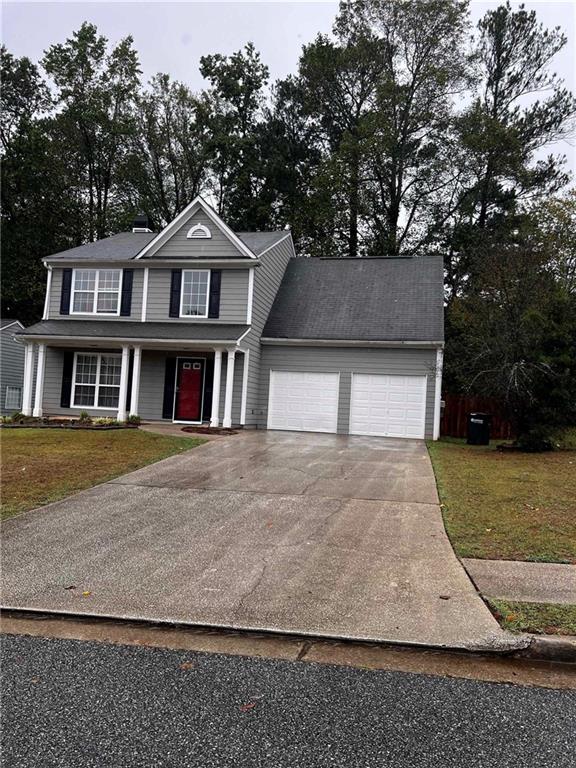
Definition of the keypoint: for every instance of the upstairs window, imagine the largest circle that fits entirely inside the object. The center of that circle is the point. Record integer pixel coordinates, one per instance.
(198, 231)
(96, 291)
(194, 293)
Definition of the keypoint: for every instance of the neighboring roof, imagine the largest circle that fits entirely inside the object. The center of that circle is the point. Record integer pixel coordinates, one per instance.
(6, 322)
(386, 299)
(119, 329)
(127, 245)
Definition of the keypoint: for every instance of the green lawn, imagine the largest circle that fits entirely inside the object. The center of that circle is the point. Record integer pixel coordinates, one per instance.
(44, 465)
(539, 618)
(507, 506)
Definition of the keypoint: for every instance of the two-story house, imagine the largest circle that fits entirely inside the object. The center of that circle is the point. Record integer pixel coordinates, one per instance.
(199, 324)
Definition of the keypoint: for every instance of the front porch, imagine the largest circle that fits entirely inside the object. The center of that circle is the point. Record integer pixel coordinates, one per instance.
(188, 384)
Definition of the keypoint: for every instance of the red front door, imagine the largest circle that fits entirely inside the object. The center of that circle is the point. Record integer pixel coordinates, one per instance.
(189, 388)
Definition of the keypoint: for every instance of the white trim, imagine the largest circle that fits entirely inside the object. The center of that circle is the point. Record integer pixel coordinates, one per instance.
(95, 292)
(96, 385)
(208, 282)
(244, 386)
(438, 393)
(40, 369)
(48, 289)
(199, 202)
(269, 248)
(243, 335)
(227, 420)
(138, 230)
(28, 379)
(163, 264)
(188, 357)
(145, 294)
(210, 343)
(191, 234)
(136, 372)
(123, 394)
(14, 322)
(215, 412)
(348, 343)
(250, 296)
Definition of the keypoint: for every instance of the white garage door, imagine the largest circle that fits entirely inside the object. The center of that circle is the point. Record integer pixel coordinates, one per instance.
(306, 402)
(388, 406)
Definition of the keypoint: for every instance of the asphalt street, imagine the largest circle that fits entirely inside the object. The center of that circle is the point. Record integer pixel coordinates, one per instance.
(80, 704)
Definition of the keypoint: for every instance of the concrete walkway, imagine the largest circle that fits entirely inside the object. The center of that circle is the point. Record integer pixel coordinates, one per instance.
(308, 534)
(524, 582)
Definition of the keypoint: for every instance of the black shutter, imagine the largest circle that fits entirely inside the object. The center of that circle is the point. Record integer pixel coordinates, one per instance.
(214, 303)
(175, 293)
(67, 370)
(169, 381)
(126, 299)
(66, 291)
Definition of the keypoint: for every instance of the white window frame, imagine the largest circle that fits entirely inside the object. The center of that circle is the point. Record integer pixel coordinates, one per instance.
(196, 317)
(96, 385)
(9, 407)
(95, 292)
(199, 232)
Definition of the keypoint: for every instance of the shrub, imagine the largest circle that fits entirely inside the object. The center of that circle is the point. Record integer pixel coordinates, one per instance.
(107, 421)
(17, 416)
(85, 418)
(5, 419)
(133, 419)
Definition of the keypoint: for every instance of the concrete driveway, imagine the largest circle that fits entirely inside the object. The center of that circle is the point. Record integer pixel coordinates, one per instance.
(299, 533)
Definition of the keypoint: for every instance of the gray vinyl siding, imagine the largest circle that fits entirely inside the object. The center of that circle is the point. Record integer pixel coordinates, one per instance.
(233, 297)
(267, 279)
(56, 290)
(346, 361)
(11, 365)
(180, 247)
(54, 364)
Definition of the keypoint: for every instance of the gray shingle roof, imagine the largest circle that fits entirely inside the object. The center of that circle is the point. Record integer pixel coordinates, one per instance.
(127, 245)
(396, 299)
(6, 321)
(120, 329)
(120, 247)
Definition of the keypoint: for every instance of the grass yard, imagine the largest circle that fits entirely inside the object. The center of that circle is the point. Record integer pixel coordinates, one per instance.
(539, 618)
(44, 465)
(507, 506)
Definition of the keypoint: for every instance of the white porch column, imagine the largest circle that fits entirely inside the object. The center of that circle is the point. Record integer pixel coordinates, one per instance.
(214, 417)
(123, 383)
(227, 422)
(438, 393)
(39, 394)
(28, 379)
(135, 391)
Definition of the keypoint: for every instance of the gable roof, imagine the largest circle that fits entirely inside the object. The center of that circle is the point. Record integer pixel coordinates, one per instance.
(6, 322)
(197, 204)
(386, 299)
(126, 246)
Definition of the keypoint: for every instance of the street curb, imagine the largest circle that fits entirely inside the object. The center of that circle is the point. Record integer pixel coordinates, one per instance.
(537, 648)
(549, 648)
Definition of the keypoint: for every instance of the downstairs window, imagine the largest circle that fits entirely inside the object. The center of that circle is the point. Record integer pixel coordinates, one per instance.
(96, 381)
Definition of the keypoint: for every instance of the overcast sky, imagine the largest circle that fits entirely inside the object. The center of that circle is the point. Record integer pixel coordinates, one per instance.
(171, 37)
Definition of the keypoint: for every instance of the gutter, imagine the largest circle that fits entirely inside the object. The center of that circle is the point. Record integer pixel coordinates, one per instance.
(349, 343)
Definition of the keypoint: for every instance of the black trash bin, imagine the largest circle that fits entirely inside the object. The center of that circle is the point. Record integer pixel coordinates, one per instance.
(479, 428)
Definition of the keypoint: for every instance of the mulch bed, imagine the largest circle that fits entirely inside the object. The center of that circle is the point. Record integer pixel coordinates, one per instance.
(210, 430)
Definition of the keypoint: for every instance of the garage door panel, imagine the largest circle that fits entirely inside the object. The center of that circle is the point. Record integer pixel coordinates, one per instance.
(388, 405)
(303, 401)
